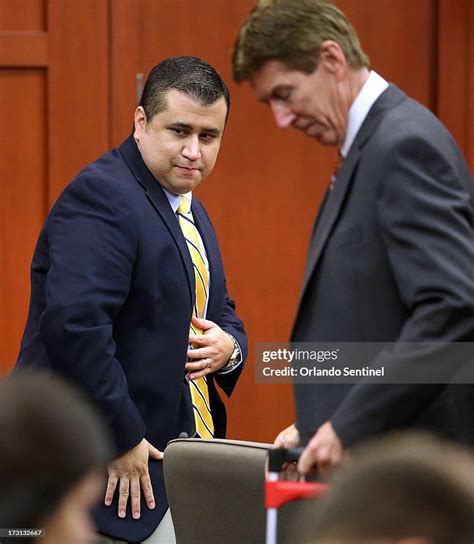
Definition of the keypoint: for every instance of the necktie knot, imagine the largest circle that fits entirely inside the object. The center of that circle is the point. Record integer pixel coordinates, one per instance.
(184, 206)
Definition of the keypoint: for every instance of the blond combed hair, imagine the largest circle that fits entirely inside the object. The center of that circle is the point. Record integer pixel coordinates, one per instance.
(292, 31)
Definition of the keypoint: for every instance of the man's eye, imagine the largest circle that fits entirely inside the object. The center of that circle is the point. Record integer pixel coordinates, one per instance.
(177, 130)
(206, 137)
(282, 95)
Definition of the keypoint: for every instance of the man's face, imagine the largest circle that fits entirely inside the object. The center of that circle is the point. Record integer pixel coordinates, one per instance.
(314, 103)
(180, 144)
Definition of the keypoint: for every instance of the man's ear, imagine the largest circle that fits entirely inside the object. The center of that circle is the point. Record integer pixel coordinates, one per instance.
(332, 57)
(140, 122)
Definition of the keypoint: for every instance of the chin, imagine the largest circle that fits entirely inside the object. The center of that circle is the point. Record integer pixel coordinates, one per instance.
(329, 140)
(183, 187)
(326, 142)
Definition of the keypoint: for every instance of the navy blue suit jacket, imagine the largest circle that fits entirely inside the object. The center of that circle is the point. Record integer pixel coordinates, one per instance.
(112, 292)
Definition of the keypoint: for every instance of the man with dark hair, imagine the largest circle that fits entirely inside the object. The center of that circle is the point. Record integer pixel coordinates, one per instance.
(206, 87)
(129, 297)
(53, 449)
(411, 489)
(392, 251)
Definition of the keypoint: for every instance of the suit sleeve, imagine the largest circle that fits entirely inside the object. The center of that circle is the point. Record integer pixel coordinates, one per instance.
(425, 216)
(231, 323)
(92, 243)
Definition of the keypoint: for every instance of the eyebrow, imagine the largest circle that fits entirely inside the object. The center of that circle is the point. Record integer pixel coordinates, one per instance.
(185, 126)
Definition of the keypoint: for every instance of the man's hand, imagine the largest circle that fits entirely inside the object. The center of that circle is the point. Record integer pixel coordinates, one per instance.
(130, 471)
(288, 438)
(324, 452)
(212, 349)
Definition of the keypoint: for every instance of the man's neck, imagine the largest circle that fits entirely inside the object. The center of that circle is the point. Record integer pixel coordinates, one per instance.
(356, 80)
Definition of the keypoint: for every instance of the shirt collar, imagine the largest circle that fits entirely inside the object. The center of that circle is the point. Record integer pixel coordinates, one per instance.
(175, 200)
(372, 89)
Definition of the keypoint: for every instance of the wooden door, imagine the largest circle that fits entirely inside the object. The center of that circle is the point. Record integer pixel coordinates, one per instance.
(54, 111)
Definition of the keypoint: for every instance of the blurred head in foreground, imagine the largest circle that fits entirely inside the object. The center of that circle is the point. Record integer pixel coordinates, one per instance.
(52, 447)
(410, 489)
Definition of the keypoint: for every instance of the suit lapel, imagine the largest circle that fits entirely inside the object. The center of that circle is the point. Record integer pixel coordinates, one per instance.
(160, 203)
(333, 202)
(328, 214)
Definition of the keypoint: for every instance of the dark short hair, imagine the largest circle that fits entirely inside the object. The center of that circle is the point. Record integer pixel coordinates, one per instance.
(292, 31)
(404, 486)
(189, 75)
(50, 437)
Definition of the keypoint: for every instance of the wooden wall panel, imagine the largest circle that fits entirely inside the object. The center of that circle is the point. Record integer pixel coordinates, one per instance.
(22, 15)
(22, 197)
(455, 68)
(23, 49)
(78, 99)
(398, 36)
(126, 53)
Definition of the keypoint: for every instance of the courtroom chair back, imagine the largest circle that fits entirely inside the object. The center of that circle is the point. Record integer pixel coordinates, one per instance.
(216, 492)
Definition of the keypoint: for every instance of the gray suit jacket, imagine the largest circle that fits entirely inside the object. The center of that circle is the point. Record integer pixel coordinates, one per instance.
(392, 260)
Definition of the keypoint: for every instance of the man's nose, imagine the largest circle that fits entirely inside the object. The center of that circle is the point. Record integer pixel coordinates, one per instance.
(192, 148)
(283, 114)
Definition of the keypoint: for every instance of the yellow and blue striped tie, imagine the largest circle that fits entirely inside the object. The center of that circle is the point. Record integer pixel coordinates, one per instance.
(198, 387)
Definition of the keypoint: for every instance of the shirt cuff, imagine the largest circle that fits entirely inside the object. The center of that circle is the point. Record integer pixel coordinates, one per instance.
(229, 368)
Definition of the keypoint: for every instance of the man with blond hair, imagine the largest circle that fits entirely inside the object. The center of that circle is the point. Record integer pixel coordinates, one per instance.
(392, 251)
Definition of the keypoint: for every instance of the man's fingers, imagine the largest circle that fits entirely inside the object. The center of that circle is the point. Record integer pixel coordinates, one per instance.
(124, 490)
(288, 438)
(290, 473)
(128, 475)
(280, 440)
(110, 490)
(195, 353)
(135, 500)
(316, 459)
(305, 462)
(311, 457)
(199, 369)
(198, 340)
(148, 489)
(203, 324)
(283, 440)
(196, 366)
(155, 453)
(197, 375)
(325, 452)
(199, 365)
